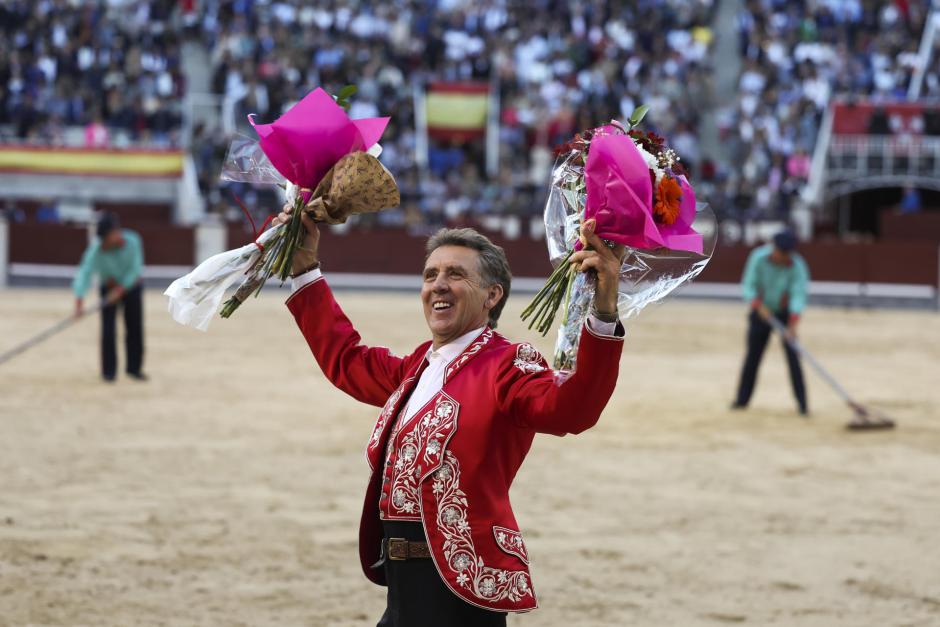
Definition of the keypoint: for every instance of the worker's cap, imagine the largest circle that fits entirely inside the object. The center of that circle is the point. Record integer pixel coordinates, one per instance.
(785, 240)
(107, 223)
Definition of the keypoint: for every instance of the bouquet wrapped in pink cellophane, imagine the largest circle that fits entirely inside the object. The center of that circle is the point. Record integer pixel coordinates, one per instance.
(638, 193)
(328, 165)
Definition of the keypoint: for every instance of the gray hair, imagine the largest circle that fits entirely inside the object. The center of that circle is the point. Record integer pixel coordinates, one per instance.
(494, 267)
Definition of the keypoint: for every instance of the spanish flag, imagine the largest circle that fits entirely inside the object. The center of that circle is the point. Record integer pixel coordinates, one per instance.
(457, 110)
(91, 161)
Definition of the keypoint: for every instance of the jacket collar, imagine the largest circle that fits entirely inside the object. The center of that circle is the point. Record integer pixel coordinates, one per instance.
(452, 349)
(479, 340)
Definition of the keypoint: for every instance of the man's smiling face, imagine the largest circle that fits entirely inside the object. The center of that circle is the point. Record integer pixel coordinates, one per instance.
(454, 297)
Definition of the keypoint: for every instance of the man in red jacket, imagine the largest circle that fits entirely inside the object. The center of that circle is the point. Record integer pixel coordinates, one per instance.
(458, 417)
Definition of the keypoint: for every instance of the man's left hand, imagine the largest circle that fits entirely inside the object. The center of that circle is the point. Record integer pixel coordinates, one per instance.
(115, 294)
(791, 330)
(606, 262)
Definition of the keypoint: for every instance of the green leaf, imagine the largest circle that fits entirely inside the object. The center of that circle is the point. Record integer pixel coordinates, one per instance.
(346, 92)
(638, 114)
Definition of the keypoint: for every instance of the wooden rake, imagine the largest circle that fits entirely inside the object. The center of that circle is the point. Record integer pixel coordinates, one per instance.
(866, 419)
(39, 338)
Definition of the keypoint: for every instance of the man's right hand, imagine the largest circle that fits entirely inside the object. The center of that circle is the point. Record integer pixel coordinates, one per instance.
(79, 308)
(764, 312)
(306, 256)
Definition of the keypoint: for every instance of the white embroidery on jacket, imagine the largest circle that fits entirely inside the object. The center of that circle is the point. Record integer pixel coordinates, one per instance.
(420, 449)
(471, 350)
(511, 542)
(386, 414)
(529, 360)
(484, 582)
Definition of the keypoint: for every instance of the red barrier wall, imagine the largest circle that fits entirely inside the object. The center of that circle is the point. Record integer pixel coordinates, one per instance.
(64, 244)
(394, 251)
(134, 215)
(884, 262)
(47, 243)
(914, 227)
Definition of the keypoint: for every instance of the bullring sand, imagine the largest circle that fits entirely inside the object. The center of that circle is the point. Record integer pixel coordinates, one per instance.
(227, 491)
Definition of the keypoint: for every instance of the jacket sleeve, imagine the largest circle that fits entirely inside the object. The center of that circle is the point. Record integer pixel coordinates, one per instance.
(136, 266)
(369, 375)
(799, 287)
(86, 268)
(526, 390)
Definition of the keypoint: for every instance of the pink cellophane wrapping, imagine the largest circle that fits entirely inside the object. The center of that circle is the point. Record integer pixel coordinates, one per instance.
(620, 194)
(308, 140)
(614, 186)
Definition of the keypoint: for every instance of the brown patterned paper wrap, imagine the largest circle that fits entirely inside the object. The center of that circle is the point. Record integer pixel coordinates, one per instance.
(358, 183)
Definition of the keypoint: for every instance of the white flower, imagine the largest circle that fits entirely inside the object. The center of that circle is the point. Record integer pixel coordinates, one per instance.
(651, 162)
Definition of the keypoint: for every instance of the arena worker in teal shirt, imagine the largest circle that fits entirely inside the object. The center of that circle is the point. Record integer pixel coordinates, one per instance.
(775, 283)
(117, 258)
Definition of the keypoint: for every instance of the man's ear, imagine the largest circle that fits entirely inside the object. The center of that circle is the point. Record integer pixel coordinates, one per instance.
(493, 296)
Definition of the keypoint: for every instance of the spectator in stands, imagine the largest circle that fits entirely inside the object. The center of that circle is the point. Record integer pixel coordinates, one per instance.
(117, 258)
(96, 135)
(910, 200)
(47, 212)
(775, 283)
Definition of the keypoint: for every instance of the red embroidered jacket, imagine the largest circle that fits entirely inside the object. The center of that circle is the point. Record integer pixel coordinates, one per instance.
(465, 445)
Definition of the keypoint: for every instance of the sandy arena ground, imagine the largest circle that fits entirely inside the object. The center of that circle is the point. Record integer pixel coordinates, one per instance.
(227, 490)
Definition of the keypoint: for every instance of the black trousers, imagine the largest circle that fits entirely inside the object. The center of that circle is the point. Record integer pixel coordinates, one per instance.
(418, 597)
(758, 333)
(133, 306)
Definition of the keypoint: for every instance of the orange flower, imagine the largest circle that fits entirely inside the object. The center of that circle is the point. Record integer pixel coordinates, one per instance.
(668, 195)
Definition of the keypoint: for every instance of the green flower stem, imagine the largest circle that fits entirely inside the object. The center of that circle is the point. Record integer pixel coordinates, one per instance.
(544, 305)
(292, 235)
(565, 315)
(557, 274)
(549, 317)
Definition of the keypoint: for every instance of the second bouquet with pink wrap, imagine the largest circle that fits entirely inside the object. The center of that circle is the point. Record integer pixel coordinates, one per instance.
(633, 185)
(328, 166)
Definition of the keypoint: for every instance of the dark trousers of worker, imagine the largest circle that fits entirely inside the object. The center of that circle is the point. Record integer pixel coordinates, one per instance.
(418, 597)
(133, 306)
(758, 333)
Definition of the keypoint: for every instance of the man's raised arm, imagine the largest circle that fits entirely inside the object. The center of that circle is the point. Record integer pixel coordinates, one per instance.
(527, 392)
(367, 374)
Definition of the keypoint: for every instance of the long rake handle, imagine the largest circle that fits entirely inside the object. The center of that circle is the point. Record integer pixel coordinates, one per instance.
(841, 391)
(61, 325)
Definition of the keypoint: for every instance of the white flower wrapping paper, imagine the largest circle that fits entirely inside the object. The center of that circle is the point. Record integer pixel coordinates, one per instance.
(195, 298)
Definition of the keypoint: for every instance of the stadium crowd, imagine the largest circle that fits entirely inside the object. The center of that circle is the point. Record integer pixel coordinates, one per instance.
(114, 70)
(795, 57)
(561, 67)
(110, 71)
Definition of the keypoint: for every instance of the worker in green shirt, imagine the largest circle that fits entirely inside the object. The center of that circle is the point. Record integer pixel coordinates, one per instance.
(117, 257)
(775, 283)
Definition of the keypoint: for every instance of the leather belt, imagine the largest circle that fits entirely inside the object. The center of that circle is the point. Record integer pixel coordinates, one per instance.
(397, 549)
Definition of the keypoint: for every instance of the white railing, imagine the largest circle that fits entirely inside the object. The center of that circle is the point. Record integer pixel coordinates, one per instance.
(885, 157)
